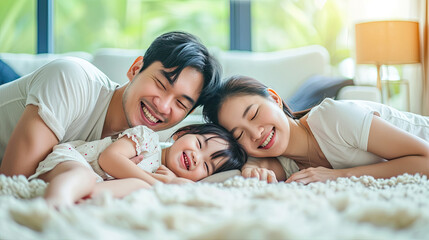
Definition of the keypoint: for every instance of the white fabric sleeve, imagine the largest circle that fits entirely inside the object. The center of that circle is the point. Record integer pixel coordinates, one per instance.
(61, 91)
(342, 122)
(146, 140)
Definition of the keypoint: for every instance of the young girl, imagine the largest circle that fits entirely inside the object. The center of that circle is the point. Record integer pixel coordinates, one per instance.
(77, 169)
(334, 139)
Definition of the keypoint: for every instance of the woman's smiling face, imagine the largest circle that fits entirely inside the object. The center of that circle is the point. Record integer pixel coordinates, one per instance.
(258, 123)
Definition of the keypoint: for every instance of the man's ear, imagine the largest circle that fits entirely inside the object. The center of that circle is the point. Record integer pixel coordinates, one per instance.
(135, 68)
(275, 97)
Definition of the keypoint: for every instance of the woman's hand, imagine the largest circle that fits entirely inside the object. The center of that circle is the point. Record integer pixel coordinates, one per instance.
(163, 170)
(262, 174)
(318, 174)
(179, 180)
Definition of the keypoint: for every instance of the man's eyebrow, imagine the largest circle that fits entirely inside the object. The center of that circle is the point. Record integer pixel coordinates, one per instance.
(167, 76)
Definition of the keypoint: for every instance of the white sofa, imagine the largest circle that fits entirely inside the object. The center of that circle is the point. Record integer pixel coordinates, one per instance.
(284, 70)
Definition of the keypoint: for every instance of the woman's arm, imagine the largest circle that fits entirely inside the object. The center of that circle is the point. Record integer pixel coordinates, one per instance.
(406, 154)
(268, 169)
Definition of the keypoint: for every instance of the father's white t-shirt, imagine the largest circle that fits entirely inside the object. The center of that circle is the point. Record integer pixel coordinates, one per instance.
(71, 93)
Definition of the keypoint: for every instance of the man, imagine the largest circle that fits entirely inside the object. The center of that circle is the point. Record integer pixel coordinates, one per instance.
(70, 99)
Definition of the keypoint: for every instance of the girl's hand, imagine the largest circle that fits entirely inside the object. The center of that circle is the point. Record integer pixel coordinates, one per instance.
(262, 174)
(318, 174)
(137, 159)
(163, 170)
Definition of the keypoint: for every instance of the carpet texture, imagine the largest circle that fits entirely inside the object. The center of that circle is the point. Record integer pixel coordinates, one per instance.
(355, 208)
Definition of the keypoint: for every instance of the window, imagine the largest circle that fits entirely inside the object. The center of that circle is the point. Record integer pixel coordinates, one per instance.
(86, 25)
(284, 24)
(18, 26)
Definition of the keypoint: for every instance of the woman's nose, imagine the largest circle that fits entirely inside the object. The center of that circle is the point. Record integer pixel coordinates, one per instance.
(256, 133)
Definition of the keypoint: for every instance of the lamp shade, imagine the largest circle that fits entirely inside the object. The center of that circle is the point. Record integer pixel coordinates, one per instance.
(387, 42)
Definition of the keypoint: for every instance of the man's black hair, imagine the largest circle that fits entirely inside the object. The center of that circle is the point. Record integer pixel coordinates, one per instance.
(234, 153)
(180, 50)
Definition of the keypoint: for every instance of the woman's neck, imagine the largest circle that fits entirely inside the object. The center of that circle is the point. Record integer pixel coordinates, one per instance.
(298, 140)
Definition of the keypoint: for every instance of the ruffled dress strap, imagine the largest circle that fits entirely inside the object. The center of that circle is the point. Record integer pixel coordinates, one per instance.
(146, 139)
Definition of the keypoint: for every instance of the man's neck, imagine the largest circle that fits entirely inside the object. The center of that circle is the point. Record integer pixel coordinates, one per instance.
(115, 121)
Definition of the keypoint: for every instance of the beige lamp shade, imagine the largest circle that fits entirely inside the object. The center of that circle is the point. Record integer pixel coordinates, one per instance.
(387, 42)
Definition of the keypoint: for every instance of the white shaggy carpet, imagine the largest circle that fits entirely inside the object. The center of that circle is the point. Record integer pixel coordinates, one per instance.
(356, 208)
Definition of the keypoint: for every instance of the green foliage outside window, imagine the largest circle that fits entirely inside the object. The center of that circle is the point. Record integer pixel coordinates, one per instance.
(284, 24)
(87, 25)
(18, 26)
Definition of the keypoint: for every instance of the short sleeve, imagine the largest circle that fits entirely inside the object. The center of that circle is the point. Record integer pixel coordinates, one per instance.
(62, 92)
(345, 123)
(146, 140)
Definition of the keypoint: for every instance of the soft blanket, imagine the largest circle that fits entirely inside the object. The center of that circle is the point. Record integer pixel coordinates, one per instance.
(348, 208)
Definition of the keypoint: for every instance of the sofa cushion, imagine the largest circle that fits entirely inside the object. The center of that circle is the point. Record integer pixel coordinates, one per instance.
(315, 89)
(284, 71)
(115, 62)
(24, 63)
(7, 74)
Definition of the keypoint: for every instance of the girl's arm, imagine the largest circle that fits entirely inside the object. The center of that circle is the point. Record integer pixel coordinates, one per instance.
(115, 160)
(406, 154)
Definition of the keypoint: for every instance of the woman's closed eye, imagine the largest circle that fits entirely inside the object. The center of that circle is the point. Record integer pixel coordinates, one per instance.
(254, 115)
(239, 136)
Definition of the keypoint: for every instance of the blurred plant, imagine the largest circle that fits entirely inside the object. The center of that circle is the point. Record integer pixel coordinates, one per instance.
(86, 25)
(17, 26)
(283, 24)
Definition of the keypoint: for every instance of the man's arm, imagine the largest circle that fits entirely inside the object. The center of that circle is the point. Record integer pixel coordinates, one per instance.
(31, 141)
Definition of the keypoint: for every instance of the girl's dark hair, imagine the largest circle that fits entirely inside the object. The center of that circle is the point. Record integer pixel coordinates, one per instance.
(239, 86)
(234, 153)
(180, 50)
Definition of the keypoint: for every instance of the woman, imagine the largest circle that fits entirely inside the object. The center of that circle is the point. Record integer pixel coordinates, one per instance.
(334, 139)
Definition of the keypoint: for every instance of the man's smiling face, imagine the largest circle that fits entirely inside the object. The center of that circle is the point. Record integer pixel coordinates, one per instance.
(151, 100)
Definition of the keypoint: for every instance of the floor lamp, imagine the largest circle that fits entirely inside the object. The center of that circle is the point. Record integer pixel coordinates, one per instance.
(387, 43)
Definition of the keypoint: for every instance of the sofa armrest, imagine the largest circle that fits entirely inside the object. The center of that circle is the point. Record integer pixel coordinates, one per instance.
(367, 93)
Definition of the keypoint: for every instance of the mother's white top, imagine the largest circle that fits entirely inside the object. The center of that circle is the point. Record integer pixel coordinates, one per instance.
(341, 129)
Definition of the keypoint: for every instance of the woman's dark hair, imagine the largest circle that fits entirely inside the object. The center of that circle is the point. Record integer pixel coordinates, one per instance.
(180, 50)
(234, 153)
(239, 86)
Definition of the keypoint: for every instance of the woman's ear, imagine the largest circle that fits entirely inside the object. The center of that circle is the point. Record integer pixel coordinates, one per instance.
(135, 68)
(275, 97)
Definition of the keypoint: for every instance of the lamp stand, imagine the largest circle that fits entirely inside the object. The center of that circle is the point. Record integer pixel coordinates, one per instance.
(379, 81)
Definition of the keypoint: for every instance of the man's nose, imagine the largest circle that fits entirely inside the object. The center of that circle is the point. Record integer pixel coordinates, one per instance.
(163, 104)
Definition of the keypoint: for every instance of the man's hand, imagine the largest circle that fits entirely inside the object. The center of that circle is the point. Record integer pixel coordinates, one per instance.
(318, 174)
(262, 174)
